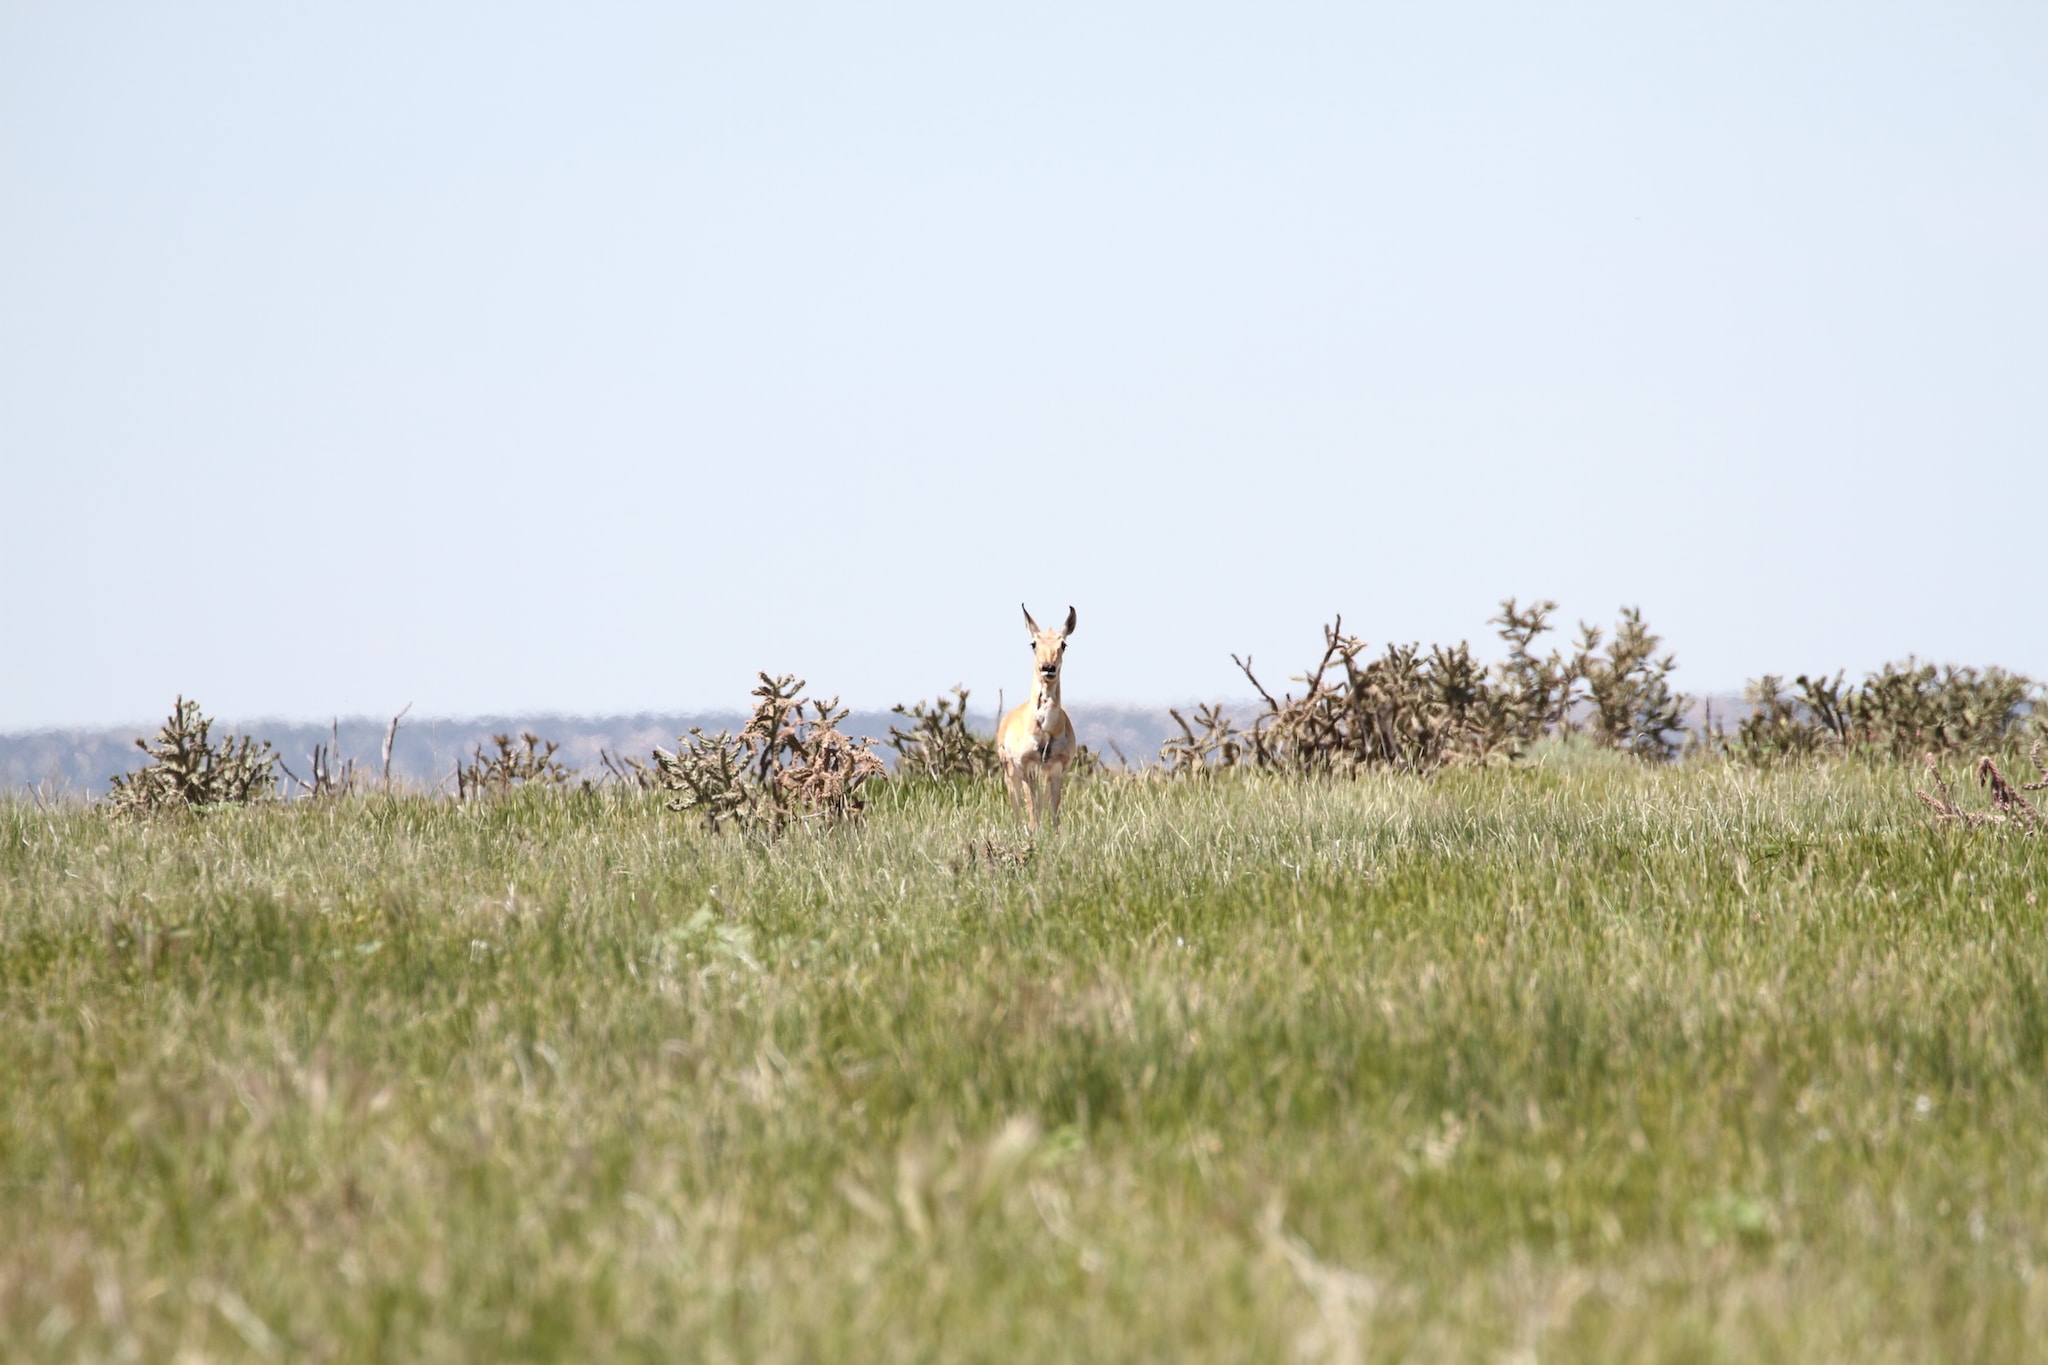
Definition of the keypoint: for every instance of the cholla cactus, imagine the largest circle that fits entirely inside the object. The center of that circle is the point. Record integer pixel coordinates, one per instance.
(939, 743)
(1633, 706)
(1782, 726)
(1903, 709)
(1220, 744)
(187, 771)
(1910, 707)
(783, 766)
(1406, 709)
(1418, 710)
(708, 775)
(530, 763)
(1530, 696)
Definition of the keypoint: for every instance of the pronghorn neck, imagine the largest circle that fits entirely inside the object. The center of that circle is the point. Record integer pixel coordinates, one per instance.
(1045, 699)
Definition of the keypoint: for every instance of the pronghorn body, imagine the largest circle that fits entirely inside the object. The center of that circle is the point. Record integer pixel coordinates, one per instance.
(1036, 740)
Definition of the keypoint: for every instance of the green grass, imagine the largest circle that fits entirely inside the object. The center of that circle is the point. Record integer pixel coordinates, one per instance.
(1575, 1061)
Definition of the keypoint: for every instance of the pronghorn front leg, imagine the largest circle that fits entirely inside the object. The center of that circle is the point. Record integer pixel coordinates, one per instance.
(1054, 780)
(1020, 791)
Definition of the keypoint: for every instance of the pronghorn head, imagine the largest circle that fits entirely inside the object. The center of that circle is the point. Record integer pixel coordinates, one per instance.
(1048, 647)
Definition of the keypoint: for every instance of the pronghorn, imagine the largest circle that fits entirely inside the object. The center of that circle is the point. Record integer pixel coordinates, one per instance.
(1036, 740)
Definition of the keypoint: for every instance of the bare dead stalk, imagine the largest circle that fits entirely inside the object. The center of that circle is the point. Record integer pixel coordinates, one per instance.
(390, 738)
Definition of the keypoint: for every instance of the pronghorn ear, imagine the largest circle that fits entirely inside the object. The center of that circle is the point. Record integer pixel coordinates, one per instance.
(1029, 624)
(1070, 623)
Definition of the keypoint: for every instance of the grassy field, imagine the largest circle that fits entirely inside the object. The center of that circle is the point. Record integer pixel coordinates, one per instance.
(1582, 1060)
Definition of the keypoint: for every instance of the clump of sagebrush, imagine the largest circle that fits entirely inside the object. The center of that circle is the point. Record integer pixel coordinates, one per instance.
(939, 742)
(782, 767)
(2007, 805)
(530, 763)
(187, 770)
(1903, 709)
(1418, 710)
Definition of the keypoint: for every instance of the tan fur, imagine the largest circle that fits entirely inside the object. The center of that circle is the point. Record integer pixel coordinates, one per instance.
(1036, 740)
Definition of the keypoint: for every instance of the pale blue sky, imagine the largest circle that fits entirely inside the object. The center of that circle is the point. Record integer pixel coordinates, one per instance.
(590, 358)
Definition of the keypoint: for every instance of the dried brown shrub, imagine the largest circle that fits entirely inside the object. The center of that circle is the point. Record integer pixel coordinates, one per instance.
(332, 777)
(2007, 806)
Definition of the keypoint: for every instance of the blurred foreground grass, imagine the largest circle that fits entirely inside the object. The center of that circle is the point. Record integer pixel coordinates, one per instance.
(1581, 1060)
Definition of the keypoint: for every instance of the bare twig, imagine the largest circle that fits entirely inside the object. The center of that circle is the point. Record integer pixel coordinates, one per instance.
(628, 771)
(1245, 666)
(390, 738)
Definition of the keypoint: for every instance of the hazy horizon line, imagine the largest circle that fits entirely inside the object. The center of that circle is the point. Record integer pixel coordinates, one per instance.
(1248, 700)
